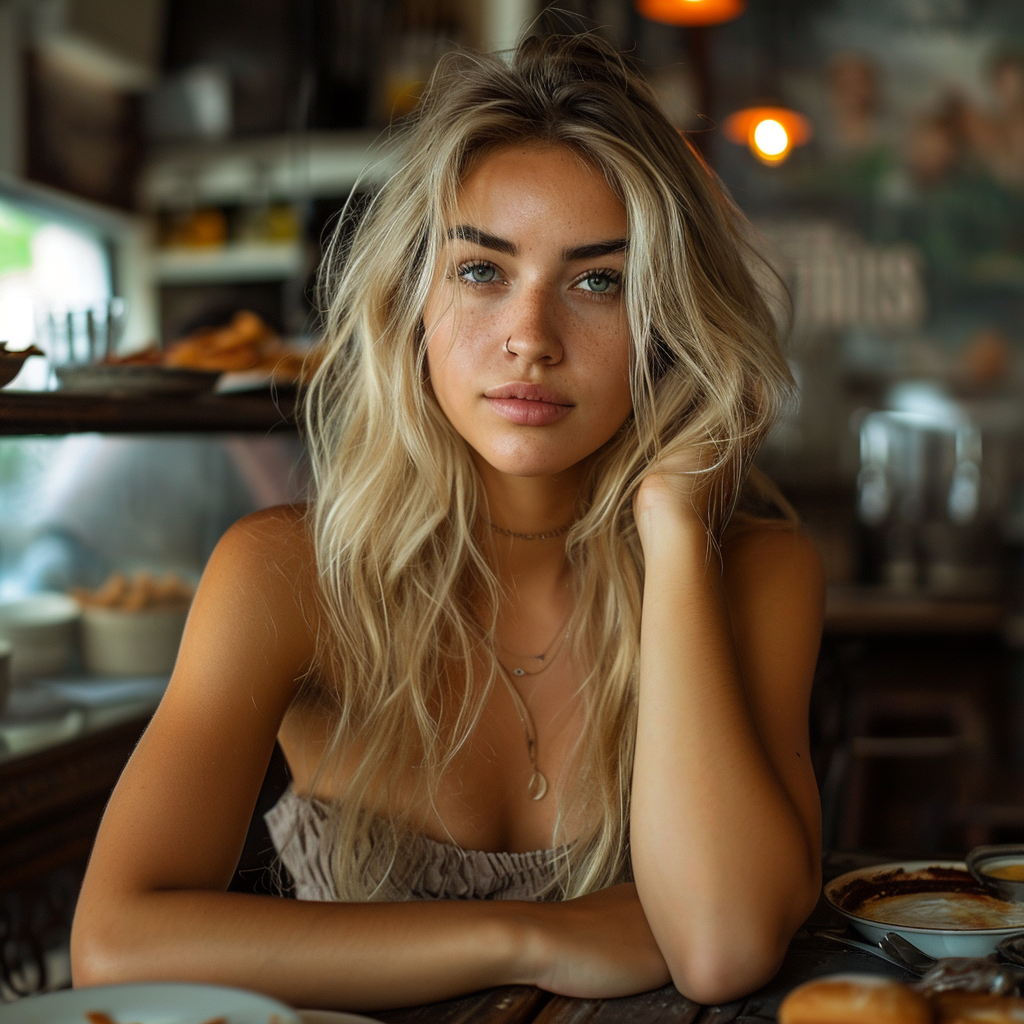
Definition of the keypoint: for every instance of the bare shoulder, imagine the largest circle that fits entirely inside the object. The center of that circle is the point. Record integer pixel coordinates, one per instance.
(259, 587)
(274, 537)
(272, 549)
(775, 590)
(771, 557)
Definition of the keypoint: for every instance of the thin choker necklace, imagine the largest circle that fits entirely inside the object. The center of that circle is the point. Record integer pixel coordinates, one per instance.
(531, 536)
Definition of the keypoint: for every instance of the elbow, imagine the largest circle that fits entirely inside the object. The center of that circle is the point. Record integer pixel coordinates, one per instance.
(719, 973)
(730, 959)
(96, 958)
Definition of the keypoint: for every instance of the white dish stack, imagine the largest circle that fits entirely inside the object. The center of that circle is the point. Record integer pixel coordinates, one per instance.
(43, 631)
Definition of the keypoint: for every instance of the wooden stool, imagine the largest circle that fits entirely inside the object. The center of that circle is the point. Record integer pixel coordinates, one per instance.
(941, 724)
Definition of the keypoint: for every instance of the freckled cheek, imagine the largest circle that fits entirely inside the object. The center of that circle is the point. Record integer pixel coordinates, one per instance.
(610, 363)
(462, 335)
(454, 369)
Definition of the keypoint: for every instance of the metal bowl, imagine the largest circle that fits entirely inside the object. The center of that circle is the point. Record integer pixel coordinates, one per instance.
(983, 860)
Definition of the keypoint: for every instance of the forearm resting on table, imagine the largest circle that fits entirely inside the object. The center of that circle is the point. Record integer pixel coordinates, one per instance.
(356, 956)
(725, 863)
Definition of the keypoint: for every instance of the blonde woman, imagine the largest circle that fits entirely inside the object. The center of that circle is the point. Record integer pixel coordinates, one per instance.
(540, 674)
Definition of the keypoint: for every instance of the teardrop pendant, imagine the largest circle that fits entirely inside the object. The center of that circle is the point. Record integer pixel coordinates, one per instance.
(538, 785)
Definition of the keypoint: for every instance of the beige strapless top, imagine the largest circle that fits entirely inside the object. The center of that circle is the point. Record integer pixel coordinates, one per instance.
(430, 870)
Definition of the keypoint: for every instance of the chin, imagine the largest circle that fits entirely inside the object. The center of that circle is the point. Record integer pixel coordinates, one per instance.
(529, 463)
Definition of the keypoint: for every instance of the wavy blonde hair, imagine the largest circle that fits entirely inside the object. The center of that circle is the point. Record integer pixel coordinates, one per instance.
(404, 663)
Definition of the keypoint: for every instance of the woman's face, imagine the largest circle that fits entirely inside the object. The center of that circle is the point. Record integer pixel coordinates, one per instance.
(528, 347)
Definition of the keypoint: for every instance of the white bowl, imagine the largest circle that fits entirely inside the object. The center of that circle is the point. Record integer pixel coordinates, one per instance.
(938, 942)
(43, 631)
(144, 643)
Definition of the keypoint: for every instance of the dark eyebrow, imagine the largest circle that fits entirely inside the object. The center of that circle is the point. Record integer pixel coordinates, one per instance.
(595, 250)
(591, 251)
(478, 237)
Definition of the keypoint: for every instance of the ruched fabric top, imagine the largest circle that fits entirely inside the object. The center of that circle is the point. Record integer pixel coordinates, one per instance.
(430, 870)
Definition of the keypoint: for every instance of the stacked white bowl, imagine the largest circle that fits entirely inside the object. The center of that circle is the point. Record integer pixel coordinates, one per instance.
(43, 631)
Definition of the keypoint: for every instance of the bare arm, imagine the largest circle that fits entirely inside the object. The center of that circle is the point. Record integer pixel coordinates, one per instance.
(154, 905)
(725, 830)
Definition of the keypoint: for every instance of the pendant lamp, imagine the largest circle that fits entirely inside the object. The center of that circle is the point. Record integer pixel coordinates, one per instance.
(770, 132)
(691, 12)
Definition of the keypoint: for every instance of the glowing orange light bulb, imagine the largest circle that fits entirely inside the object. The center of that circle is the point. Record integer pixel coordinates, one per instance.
(770, 132)
(769, 140)
(691, 12)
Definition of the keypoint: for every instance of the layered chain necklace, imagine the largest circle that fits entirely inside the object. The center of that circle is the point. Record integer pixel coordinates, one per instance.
(538, 784)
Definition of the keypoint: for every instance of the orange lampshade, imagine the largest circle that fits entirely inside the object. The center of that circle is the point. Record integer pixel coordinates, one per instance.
(691, 12)
(770, 132)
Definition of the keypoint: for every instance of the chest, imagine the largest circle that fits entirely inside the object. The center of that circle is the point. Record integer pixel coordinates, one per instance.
(484, 801)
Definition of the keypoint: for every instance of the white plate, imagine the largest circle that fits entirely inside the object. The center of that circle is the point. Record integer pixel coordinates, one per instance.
(939, 942)
(156, 1003)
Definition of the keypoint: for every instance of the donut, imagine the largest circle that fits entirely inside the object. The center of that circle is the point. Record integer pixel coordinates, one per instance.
(977, 1008)
(854, 999)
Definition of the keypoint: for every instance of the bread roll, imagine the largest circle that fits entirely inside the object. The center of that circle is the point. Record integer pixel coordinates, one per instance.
(854, 999)
(977, 1008)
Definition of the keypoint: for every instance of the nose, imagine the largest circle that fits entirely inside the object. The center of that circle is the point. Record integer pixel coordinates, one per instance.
(531, 330)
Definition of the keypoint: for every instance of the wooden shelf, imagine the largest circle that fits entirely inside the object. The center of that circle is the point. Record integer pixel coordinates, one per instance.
(313, 164)
(871, 610)
(250, 262)
(49, 412)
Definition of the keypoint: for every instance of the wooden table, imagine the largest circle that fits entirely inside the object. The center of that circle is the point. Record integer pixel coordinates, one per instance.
(38, 832)
(809, 957)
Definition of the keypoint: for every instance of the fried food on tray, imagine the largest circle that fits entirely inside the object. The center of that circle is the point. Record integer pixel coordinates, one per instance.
(151, 356)
(247, 342)
(141, 592)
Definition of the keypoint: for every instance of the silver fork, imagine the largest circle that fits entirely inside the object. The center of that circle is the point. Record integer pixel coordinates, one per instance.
(866, 947)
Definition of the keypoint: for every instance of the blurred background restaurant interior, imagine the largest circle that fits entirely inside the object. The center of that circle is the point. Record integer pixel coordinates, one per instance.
(168, 167)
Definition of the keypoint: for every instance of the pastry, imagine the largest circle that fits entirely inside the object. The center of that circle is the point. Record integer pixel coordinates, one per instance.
(977, 1008)
(854, 999)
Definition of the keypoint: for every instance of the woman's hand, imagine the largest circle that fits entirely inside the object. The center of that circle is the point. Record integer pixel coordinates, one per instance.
(594, 947)
(676, 491)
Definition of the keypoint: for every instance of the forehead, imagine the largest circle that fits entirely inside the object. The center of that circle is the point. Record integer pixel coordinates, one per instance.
(536, 187)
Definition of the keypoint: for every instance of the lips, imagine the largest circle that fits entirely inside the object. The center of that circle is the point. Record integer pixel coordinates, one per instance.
(528, 393)
(528, 405)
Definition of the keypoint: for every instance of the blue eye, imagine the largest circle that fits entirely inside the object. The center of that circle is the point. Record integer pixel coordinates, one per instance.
(478, 273)
(599, 282)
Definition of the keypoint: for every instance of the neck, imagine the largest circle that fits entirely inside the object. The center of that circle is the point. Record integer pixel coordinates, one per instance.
(530, 506)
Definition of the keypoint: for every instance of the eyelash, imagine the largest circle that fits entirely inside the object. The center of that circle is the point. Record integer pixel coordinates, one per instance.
(614, 276)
